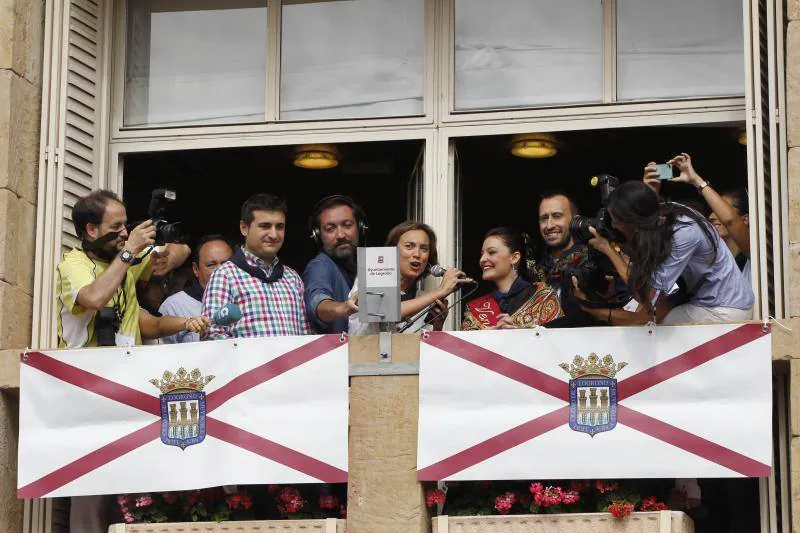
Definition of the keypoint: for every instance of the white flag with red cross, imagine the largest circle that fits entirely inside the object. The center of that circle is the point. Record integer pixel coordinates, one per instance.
(183, 416)
(683, 401)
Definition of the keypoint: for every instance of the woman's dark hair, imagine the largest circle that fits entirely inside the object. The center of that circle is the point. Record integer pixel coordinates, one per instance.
(411, 225)
(740, 200)
(655, 222)
(516, 241)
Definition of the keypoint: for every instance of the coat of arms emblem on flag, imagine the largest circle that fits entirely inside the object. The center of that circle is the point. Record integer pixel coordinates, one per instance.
(593, 393)
(183, 407)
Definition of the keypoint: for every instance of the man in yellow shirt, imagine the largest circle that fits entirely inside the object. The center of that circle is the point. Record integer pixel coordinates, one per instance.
(97, 283)
(97, 298)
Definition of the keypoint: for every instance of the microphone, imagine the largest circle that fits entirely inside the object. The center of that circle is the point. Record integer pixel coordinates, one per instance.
(227, 315)
(437, 271)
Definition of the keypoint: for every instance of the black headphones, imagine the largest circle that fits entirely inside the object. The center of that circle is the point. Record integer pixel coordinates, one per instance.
(330, 201)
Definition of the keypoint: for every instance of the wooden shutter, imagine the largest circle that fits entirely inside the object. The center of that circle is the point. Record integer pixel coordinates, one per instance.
(72, 139)
(79, 148)
(767, 155)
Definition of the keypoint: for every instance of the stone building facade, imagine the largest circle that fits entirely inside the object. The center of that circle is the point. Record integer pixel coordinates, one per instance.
(21, 48)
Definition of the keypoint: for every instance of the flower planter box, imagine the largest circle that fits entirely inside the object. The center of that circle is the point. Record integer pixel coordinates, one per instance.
(329, 525)
(654, 522)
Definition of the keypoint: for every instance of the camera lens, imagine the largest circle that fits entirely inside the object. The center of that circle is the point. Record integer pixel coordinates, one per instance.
(579, 228)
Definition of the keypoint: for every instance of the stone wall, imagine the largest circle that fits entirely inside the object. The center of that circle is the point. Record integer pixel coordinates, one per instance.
(793, 137)
(21, 39)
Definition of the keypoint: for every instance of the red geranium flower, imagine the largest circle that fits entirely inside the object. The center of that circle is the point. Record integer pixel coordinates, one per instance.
(606, 486)
(570, 496)
(328, 501)
(651, 504)
(504, 502)
(579, 486)
(620, 508)
(289, 501)
(434, 497)
(549, 496)
(233, 501)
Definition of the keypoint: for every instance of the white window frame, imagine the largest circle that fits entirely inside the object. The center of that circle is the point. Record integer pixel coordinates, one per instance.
(272, 122)
(609, 106)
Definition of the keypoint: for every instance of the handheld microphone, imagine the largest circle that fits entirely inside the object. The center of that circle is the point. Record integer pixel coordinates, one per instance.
(227, 315)
(438, 271)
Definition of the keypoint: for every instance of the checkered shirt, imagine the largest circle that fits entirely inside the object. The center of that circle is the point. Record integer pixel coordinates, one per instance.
(268, 309)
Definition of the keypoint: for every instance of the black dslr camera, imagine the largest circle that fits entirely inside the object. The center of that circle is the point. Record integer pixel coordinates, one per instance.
(591, 274)
(159, 206)
(106, 326)
(579, 226)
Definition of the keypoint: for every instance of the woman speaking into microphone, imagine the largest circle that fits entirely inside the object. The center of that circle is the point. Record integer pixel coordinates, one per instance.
(416, 246)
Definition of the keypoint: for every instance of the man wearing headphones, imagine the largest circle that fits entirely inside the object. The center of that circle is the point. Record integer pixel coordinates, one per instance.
(337, 225)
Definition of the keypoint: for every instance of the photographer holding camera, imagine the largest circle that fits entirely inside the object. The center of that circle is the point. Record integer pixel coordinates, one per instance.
(566, 235)
(97, 299)
(665, 242)
(97, 282)
(729, 209)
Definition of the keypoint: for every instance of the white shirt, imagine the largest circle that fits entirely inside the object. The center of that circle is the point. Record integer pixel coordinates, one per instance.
(181, 304)
(356, 327)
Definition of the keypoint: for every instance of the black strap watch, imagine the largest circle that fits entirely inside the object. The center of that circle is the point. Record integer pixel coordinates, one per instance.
(126, 256)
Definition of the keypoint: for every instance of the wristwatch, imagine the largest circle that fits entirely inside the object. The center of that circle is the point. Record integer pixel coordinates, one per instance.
(703, 186)
(126, 256)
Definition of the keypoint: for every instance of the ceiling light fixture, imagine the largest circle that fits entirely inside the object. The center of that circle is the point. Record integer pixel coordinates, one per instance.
(743, 137)
(534, 145)
(316, 156)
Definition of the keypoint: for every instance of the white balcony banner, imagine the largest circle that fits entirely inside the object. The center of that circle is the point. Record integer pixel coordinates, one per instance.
(183, 416)
(684, 401)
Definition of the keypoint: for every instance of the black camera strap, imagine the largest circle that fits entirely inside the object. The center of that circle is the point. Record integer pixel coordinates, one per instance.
(240, 261)
(118, 300)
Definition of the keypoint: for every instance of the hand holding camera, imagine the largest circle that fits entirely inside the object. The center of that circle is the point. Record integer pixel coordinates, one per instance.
(141, 237)
(652, 177)
(683, 163)
(600, 243)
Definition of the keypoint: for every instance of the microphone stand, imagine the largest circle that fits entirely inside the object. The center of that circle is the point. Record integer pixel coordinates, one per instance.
(427, 309)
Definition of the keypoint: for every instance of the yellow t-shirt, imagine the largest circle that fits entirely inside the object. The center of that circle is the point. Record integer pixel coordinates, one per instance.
(75, 323)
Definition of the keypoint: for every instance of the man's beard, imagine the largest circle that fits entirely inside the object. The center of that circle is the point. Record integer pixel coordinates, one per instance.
(108, 252)
(561, 244)
(339, 253)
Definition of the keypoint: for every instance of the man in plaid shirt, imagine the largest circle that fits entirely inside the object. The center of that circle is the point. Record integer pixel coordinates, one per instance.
(269, 293)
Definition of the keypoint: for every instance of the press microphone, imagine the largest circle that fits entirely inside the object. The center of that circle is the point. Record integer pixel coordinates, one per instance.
(227, 315)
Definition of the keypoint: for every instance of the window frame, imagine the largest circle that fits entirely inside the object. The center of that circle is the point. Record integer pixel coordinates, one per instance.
(272, 121)
(610, 104)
